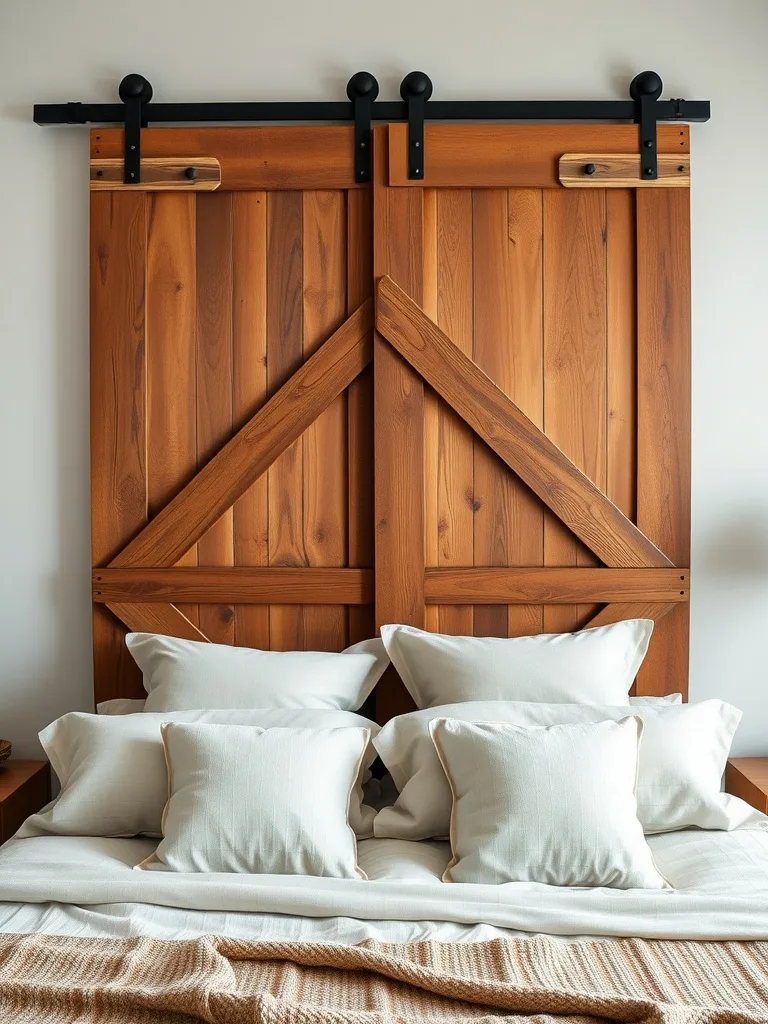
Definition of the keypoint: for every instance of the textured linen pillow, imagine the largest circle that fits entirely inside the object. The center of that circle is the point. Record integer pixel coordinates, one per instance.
(113, 774)
(553, 804)
(184, 675)
(595, 666)
(257, 801)
(121, 706)
(682, 759)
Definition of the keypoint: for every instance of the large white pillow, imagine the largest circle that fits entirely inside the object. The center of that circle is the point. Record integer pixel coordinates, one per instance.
(553, 804)
(183, 675)
(258, 801)
(113, 774)
(682, 760)
(595, 666)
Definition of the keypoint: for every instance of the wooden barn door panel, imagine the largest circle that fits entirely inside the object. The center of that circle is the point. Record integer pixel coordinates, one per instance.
(204, 304)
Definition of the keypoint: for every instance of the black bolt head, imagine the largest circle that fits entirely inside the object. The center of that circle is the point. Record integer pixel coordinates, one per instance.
(589, 168)
(362, 84)
(647, 83)
(191, 173)
(416, 83)
(135, 87)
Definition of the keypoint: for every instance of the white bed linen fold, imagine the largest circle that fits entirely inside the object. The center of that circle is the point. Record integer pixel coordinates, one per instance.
(720, 889)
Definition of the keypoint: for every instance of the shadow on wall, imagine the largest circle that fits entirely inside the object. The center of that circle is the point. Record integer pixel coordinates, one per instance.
(739, 553)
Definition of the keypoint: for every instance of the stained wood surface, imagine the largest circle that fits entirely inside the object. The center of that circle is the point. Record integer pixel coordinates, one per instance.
(747, 778)
(514, 155)
(541, 586)
(159, 174)
(235, 586)
(609, 170)
(511, 434)
(253, 159)
(149, 617)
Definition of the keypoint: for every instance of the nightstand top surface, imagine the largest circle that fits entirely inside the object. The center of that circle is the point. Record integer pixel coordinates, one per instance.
(15, 772)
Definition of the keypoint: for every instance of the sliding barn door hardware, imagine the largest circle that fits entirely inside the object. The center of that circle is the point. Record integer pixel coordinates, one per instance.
(645, 90)
(136, 111)
(362, 90)
(415, 89)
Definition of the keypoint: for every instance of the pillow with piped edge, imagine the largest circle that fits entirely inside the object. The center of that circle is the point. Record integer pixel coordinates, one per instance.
(186, 675)
(682, 759)
(593, 666)
(113, 773)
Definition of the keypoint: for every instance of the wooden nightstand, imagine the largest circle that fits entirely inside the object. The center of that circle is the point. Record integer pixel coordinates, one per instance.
(25, 787)
(747, 777)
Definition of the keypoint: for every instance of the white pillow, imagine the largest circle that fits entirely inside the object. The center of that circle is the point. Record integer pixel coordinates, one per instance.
(181, 675)
(595, 666)
(121, 706)
(255, 801)
(553, 804)
(113, 775)
(682, 760)
(669, 698)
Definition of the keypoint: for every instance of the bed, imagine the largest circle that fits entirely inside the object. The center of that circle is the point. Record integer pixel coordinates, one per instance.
(497, 447)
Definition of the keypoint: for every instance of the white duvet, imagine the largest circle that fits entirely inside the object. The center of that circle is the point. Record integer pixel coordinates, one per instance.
(81, 885)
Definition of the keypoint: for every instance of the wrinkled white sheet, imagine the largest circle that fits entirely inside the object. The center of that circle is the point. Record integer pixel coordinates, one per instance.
(720, 891)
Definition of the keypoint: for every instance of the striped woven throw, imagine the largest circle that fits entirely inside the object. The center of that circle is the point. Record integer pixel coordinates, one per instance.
(530, 981)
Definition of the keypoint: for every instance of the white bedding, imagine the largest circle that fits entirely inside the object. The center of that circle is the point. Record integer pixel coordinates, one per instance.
(720, 891)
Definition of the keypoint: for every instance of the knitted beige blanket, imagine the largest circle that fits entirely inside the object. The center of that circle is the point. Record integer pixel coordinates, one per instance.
(47, 979)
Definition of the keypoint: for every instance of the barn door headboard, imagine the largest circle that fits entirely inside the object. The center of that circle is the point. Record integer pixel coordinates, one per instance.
(523, 404)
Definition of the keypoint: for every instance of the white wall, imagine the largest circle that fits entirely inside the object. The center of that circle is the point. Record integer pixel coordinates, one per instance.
(238, 49)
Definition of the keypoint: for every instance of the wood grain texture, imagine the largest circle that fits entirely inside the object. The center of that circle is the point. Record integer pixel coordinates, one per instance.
(510, 433)
(264, 158)
(214, 383)
(574, 364)
(159, 174)
(747, 778)
(249, 392)
(507, 230)
(432, 403)
(153, 618)
(255, 446)
(664, 411)
(118, 400)
(513, 155)
(25, 788)
(398, 428)
(324, 445)
(610, 170)
(238, 586)
(360, 514)
(540, 586)
(455, 470)
(618, 612)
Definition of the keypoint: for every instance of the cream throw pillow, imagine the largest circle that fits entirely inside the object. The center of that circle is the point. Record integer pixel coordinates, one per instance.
(682, 759)
(595, 666)
(254, 801)
(553, 804)
(113, 775)
(183, 675)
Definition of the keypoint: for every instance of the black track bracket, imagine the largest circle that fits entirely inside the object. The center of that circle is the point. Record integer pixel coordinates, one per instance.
(134, 91)
(415, 89)
(645, 90)
(362, 90)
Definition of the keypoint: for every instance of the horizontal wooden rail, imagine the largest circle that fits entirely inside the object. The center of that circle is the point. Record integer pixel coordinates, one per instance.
(234, 586)
(554, 586)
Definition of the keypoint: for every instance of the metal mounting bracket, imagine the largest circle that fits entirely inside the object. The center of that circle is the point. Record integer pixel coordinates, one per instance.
(362, 89)
(415, 89)
(645, 90)
(134, 91)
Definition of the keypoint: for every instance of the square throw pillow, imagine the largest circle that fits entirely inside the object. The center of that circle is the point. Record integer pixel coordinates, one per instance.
(254, 801)
(113, 774)
(553, 804)
(594, 666)
(185, 675)
(682, 759)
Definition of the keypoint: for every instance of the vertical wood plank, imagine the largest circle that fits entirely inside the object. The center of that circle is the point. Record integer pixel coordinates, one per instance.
(429, 302)
(574, 362)
(664, 412)
(325, 440)
(249, 391)
(285, 350)
(360, 514)
(171, 355)
(118, 239)
(455, 482)
(507, 233)
(398, 426)
(214, 381)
